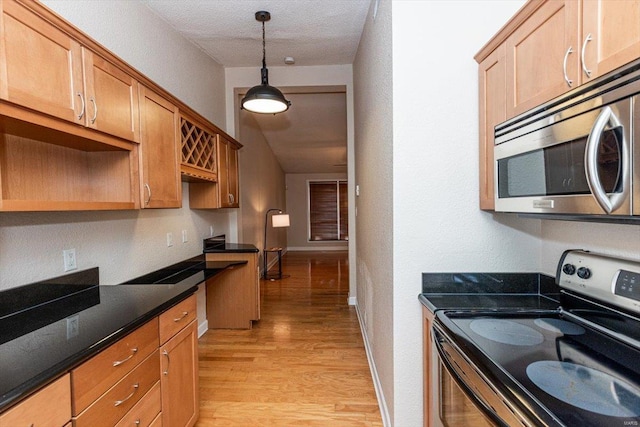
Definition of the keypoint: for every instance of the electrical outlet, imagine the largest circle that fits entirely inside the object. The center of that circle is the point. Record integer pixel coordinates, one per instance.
(184, 236)
(211, 231)
(73, 326)
(169, 240)
(69, 257)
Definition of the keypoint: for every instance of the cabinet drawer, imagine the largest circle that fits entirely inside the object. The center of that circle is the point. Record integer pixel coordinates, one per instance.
(157, 422)
(176, 318)
(49, 407)
(118, 400)
(91, 379)
(145, 411)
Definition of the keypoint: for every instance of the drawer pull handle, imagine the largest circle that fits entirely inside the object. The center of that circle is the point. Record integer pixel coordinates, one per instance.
(166, 354)
(137, 422)
(120, 362)
(135, 388)
(184, 314)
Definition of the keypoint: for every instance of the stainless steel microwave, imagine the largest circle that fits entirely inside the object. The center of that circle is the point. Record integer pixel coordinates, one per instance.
(578, 155)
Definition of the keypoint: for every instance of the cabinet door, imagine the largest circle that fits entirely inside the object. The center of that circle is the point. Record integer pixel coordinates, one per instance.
(179, 379)
(492, 97)
(111, 97)
(543, 56)
(40, 66)
(613, 29)
(159, 161)
(223, 173)
(232, 176)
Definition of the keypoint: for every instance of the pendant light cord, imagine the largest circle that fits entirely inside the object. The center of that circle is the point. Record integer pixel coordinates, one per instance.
(264, 49)
(264, 72)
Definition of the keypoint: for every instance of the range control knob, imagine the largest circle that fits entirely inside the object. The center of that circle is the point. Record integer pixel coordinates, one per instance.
(568, 269)
(584, 273)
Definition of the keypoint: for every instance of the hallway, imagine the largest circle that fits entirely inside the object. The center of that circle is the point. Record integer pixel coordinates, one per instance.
(302, 364)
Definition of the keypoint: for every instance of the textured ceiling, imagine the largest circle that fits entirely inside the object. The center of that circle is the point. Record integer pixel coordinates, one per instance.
(312, 136)
(314, 32)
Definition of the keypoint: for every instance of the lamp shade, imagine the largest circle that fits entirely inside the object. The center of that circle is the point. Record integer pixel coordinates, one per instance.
(281, 220)
(265, 99)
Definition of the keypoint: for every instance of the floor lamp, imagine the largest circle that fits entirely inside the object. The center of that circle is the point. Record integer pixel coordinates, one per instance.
(278, 220)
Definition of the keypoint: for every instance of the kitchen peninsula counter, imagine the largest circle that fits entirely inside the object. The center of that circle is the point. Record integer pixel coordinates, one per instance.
(49, 327)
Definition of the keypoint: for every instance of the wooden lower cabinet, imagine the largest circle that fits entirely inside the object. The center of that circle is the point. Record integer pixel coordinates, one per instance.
(97, 375)
(233, 298)
(149, 378)
(157, 422)
(109, 408)
(145, 412)
(179, 379)
(49, 407)
(427, 320)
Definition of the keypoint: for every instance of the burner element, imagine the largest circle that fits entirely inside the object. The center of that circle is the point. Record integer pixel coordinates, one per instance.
(506, 332)
(560, 326)
(586, 388)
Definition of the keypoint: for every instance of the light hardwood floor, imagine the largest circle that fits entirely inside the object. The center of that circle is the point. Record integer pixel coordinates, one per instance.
(302, 364)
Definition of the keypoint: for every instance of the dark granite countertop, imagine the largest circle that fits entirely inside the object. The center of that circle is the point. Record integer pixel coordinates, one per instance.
(218, 244)
(38, 341)
(489, 291)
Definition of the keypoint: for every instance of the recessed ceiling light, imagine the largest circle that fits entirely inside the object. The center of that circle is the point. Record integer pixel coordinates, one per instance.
(289, 60)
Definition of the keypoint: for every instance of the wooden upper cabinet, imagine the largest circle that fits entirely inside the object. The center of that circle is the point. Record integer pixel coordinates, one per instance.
(228, 174)
(44, 69)
(198, 147)
(610, 35)
(40, 66)
(492, 109)
(111, 98)
(543, 56)
(160, 185)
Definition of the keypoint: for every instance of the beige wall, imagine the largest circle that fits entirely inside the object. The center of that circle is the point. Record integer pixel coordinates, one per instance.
(298, 209)
(311, 76)
(129, 243)
(373, 105)
(262, 184)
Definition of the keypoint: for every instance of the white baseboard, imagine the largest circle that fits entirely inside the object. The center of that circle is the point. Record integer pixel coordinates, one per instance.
(382, 403)
(352, 301)
(203, 328)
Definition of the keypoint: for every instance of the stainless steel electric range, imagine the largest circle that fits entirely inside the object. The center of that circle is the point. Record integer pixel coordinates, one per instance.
(577, 365)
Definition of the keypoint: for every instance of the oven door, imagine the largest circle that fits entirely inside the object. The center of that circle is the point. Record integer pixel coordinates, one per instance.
(568, 164)
(462, 395)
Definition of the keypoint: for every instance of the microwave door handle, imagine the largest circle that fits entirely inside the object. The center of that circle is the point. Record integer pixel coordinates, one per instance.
(608, 203)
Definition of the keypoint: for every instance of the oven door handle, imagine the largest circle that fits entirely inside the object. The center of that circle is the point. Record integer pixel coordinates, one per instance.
(439, 341)
(609, 203)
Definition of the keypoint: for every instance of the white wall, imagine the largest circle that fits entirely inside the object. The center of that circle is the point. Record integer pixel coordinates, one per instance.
(298, 210)
(612, 239)
(334, 75)
(129, 243)
(435, 221)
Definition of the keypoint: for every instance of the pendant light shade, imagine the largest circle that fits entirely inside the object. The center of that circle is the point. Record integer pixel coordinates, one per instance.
(264, 99)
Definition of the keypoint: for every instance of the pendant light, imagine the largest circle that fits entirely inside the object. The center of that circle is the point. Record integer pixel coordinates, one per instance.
(264, 99)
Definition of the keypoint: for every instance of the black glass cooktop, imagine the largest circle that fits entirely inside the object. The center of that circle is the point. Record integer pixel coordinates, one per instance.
(571, 372)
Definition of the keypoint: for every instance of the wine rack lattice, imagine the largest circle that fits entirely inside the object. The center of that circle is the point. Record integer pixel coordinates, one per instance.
(198, 147)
